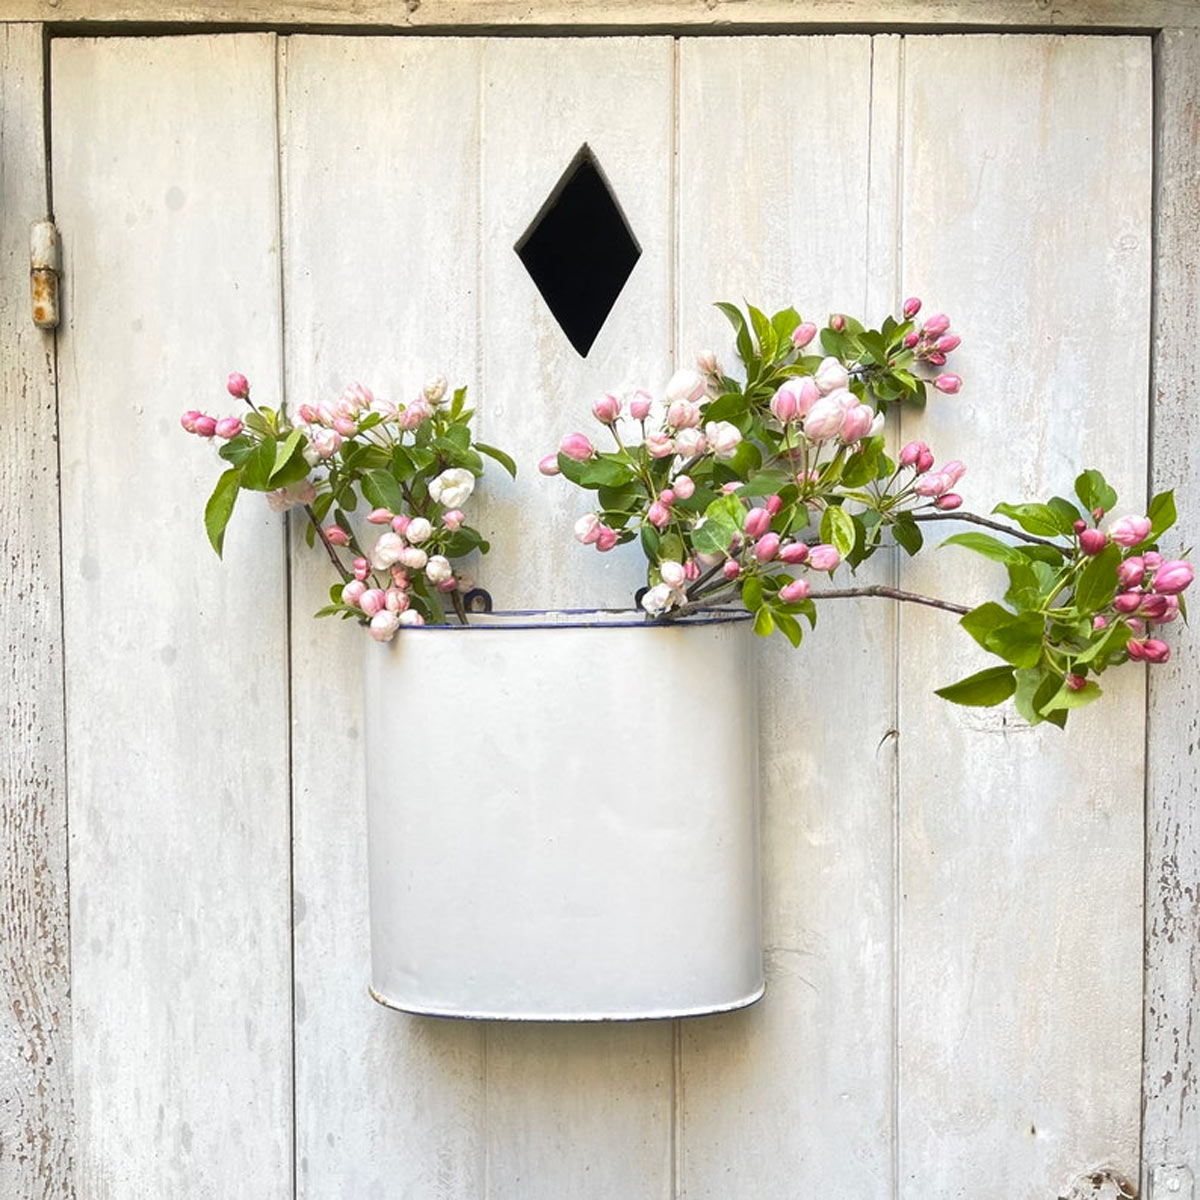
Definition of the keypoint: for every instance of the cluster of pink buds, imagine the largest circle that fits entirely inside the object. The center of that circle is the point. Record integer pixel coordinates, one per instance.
(591, 531)
(933, 485)
(1150, 588)
(825, 406)
(933, 343)
(201, 424)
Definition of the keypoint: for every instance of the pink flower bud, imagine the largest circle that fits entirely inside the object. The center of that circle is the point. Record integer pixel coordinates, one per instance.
(1136, 625)
(380, 516)
(607, 409)
(831, 375)
(577, 447)
(936, 325)
(453, 519)
(660, 445)
(794, 553)
(803, 334)
(1130, 531)
(948, 384)
(798, 589)
(1153, 607)
(910, 340)
(706, 363)
(606, 540)
(948, 343)
(639, 405)
(912, 306)
(774, 505)
(1076, 683)
(924, 460)
(204, 426)
(1092, 541)
(857, 423)
(1156, 651)
(1136, 650)
(1131, 572)
(414, 558)
(672, 573)
(1172, 577)
(690, 443)
(189, 418)
(361, 564)
(352, 592)
(384, 625)
(684, 487)
(837, 322)
(1152, 559)
(691, 570)
(686, 385)
(372, 600)
(549, 465)
(400, 578)
(823, 558)
(953, 471)
(948, 501)
(683, 414)
(345, 426)
(587, 529)
(758, 521)
(335, 535)
(667, 497)
(936, 358)
(308, 414)
(825, 418)
(1079, 526)
(400, 523)
(911, 452)
(731, 570)
(784, 404)
(237, 385)
(1127, 602)
(659, 515)
(396, 599)
(1099, 622)
(767, 547)
(932, 485)
(807, 394)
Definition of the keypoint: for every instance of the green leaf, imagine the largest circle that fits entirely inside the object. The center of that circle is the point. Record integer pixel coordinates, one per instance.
(650, 542)
(219, 508)
(256, 471)
(1040, 519)
(764, 333)
(764, 623)
(981, 690)
(727, 407)
(1098, 583)
(503, 459)
(1035, 686)
(1019, 640)
(765, 483)
(752, 593)
(1113, 641)
(1161, 514)
(1066, 698)
(837, 529)
(907, 533)
(237, 450)
(988, 546)
(458, 403)
(982, 621)
(382, 491)
(597, 472)
(1092, 489)
(789, 627)
(745, 347)
(290, 466)
(784, 323)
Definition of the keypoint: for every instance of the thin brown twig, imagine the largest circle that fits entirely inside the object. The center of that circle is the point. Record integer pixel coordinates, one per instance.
(997, 525)
(333, 558)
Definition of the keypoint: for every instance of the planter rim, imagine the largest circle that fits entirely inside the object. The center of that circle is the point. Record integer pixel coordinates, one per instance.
(581, 618)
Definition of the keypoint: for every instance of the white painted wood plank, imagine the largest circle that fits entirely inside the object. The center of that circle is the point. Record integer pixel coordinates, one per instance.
(694, 15)
(165, 182)
(787, 176)
(584, 1110)
(381, 258)
(1171, 1115)
(1027, 218)
(35, 1011)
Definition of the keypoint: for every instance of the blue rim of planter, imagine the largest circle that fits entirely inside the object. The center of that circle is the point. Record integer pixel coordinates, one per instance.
(634, 619)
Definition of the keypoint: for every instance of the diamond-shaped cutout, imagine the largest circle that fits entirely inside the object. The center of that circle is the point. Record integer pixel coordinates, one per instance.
(579, 250)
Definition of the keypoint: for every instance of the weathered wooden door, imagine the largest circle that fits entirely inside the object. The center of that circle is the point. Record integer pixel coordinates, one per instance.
(954, 902)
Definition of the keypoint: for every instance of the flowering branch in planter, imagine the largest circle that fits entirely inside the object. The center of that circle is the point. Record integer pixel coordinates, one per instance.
(415, 464)
(745, 489)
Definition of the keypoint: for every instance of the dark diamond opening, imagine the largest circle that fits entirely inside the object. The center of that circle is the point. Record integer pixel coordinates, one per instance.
(579, 250)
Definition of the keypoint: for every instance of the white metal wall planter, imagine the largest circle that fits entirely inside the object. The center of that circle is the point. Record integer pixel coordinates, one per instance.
(582, 844)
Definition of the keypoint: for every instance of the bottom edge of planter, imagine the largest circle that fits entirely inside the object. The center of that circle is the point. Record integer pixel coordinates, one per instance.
(664, 1014)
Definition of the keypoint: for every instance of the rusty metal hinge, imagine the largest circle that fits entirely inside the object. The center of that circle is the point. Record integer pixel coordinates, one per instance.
(43, 274)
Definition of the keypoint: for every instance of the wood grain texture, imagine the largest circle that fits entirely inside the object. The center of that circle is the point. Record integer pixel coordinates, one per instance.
(35, 1060)
(584, 1110)
(1028, 221)
(381, 248)
(1171, 1120)
(700, 15)
(786, 180)
(165, 178)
